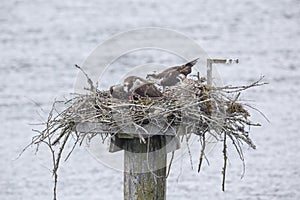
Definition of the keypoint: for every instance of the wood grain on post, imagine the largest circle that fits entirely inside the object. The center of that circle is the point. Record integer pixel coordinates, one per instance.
(145, 169)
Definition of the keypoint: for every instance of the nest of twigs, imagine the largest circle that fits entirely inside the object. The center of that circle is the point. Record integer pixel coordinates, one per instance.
(205, 111)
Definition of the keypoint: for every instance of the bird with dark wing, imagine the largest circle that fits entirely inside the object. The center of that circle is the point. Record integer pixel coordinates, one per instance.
(132, 82)
(138, 86)
(147, 90)
(134, 87)
(173, 75)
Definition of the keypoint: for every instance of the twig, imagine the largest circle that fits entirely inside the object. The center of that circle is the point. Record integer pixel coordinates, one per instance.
(171, 161)
(92, 88)
(225, 162)
(203, 145)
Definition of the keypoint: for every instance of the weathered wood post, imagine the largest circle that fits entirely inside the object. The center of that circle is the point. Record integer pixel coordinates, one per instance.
(144, 163)
(145, 169)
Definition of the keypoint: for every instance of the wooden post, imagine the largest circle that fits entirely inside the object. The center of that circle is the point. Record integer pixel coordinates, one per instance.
(144, 164)
(145, 169)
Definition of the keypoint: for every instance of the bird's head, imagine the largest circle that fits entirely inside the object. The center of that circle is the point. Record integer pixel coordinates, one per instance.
(131, 82)
(151, 76)
(116, 89)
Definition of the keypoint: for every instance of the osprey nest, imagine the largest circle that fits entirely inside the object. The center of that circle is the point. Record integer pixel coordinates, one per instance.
(201, 109)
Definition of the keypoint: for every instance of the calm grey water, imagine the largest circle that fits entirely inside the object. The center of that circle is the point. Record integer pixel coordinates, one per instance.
(40, 41)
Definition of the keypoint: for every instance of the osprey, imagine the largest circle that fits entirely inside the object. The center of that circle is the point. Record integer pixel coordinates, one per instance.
(134, 86)
(118, 92)
(141, 87)
(171, 76)
(132, 82)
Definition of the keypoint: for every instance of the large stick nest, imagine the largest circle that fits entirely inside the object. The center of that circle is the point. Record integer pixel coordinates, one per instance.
(193, 104)
(202, 109)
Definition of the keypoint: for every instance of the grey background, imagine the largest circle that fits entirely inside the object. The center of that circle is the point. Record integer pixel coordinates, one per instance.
(40, 41)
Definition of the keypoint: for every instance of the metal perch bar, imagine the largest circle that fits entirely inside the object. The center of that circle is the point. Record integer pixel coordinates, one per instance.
(217, 61)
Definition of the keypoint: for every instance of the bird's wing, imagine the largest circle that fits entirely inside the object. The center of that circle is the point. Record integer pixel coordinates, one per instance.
(149, 90)
(164, 73)
(170, 69)
(170, 79)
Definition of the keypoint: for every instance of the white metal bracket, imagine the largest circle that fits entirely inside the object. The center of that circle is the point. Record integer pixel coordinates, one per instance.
(217, 61)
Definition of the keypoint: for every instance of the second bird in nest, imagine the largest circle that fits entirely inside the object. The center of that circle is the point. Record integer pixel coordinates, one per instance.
(138, 86)
(134, 87)
(173, 75)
